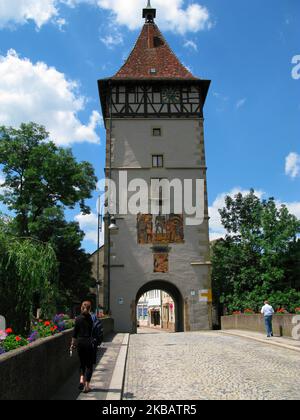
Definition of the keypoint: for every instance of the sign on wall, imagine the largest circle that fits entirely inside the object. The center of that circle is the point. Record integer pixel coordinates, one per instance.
(205, 295)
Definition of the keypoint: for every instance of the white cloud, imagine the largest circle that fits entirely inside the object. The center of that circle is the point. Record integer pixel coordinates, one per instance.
(191, 44)
(39, 93)
(292, 165)
(294, 208)
(113, 38)
(22, 11)
(173, 15)
(240, 103)
(61, 22)
(89, 224)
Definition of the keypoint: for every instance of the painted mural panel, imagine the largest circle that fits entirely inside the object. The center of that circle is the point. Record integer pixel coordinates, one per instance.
(175, 231)
(161, 263)
(160, 229)
(145, 228)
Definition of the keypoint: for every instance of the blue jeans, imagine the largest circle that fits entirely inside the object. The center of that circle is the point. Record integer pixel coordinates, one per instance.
(268, 324)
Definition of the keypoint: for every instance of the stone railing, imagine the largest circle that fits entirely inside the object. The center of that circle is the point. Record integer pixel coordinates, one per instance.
(282, 324)
(33, 372)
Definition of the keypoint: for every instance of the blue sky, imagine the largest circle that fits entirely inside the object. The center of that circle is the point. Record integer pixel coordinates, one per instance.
(52, 52)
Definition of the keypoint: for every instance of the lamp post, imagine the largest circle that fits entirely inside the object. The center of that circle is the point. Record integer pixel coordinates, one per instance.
(110, 220)
(111, 227)
(99, 229)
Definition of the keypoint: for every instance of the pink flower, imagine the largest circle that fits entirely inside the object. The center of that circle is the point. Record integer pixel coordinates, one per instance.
(3, 335)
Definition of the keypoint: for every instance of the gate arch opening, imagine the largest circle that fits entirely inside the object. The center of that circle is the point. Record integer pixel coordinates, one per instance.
(175, 294)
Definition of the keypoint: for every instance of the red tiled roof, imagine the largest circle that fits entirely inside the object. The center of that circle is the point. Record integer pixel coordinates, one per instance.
(150, 52)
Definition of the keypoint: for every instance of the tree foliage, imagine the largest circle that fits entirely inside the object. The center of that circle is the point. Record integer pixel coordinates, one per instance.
(40, 176)
(74, 279)
(254, 260)
(28, 269)
(41, 181)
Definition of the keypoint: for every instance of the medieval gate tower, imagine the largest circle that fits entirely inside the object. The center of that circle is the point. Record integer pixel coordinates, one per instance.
(153, 113)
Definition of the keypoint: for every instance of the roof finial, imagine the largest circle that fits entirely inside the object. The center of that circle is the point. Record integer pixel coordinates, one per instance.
(149, 13)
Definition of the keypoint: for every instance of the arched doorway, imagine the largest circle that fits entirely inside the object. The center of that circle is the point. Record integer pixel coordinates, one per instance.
(173, 292)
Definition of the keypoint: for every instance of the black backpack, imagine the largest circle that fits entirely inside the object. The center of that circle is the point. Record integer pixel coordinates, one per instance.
(97, 333)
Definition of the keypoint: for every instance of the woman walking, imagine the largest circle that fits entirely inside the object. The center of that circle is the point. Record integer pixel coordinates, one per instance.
(82, 339)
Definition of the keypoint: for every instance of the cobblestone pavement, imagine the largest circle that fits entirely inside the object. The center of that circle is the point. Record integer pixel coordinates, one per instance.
(209, 366)
(147, 330)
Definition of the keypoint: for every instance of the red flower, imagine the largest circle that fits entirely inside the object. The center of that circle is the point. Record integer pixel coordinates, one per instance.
(281, 311)
(47, 324)
(8, 331)
(18, 338)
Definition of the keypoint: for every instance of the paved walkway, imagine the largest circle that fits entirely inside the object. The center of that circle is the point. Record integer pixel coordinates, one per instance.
(147, 330)
(102, 376)
(209, 366)
(283, 342)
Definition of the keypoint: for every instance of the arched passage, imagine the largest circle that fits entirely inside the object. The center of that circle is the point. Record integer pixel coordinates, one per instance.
(173, 292)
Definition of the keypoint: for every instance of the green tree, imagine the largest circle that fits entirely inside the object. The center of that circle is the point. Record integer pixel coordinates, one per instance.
(40, 176)
(27, 267)
(251, 263)
(41, 181)
(74, 280)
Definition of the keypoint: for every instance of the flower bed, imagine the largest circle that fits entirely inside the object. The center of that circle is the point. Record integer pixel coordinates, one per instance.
(33, 372)
(278, 311)
(40, 329)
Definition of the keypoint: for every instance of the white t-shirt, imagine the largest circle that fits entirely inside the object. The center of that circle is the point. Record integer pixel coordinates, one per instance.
(267, 310)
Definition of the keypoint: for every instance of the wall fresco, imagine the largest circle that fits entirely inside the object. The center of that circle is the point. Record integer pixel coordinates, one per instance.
(165, 229)
(161, 263)
(160, 229)
(174, 227)
(145, 228)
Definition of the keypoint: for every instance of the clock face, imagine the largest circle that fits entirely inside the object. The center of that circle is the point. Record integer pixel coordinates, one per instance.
(171, 95)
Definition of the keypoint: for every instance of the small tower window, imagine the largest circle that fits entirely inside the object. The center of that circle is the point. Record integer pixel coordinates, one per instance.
(156, 132)
(157, 161)
(153, 71)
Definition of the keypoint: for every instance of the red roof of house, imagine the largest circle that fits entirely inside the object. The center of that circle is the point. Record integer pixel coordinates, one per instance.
(152, 58)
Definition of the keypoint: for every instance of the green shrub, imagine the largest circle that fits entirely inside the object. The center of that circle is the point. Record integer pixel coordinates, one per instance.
(13, 342)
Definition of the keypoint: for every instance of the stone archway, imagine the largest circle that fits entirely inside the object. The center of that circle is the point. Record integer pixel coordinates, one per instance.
(173, 291)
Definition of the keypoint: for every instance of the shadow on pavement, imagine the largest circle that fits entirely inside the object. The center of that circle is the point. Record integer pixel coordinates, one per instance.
(69, 390)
